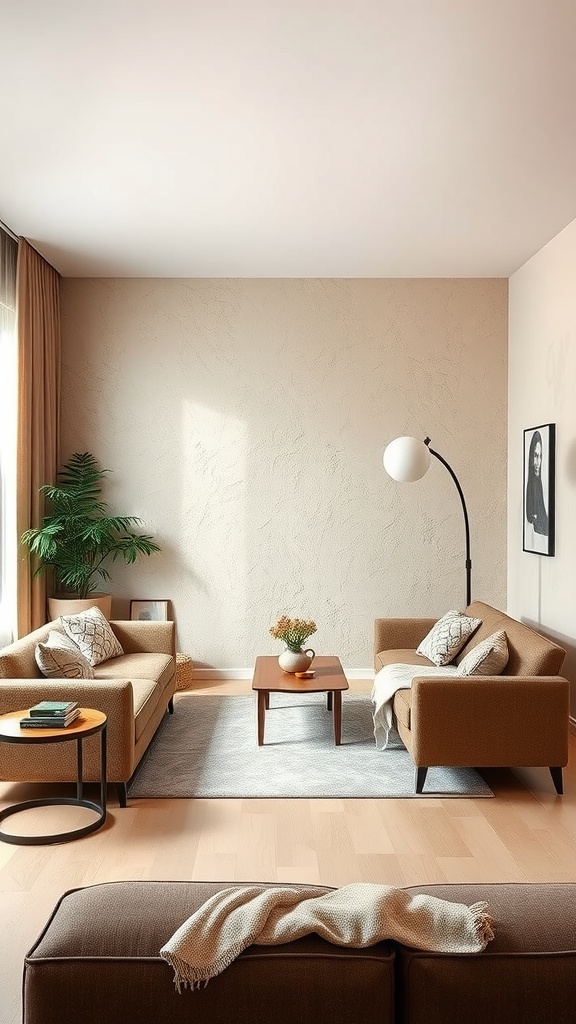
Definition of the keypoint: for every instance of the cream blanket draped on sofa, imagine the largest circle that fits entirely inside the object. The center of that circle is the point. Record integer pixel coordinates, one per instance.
(386, 682)
(356, 915)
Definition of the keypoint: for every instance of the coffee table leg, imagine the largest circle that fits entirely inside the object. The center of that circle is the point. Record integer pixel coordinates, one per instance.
(262, 702)
(329, 700)
(337, 711)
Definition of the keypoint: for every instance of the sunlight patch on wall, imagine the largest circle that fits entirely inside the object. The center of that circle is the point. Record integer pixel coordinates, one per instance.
(213, 508)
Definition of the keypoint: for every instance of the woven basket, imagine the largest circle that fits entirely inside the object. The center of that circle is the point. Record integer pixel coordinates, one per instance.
(184, 671)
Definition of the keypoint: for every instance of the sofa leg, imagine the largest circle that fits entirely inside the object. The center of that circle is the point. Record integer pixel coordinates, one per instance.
(122, 791)
(556, 774)
(171, 706)
(420, 779)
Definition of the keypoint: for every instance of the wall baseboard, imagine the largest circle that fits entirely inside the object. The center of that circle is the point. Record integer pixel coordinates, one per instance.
(246, 673)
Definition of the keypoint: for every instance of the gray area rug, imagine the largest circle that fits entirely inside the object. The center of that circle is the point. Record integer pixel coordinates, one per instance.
(208, 748)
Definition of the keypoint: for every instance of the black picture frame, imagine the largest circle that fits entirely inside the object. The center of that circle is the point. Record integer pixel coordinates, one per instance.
(149, 610)
(538, 505)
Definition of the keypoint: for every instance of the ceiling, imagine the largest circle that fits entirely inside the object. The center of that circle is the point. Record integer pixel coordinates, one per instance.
(288, 138)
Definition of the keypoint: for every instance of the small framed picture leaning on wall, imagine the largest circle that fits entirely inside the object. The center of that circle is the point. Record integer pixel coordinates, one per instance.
(149, 611)
(539, 486)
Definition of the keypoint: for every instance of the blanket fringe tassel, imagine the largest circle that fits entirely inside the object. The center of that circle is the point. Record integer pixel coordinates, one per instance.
(483, 923)
(187, 976)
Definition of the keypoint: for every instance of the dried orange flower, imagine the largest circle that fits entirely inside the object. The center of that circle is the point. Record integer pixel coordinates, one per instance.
(293, 631)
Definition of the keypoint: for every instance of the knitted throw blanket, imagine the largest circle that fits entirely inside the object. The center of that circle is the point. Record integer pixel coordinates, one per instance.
(356, 915)
(387, 682)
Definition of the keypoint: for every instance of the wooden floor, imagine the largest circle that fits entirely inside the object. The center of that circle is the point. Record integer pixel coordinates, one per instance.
(526, 833)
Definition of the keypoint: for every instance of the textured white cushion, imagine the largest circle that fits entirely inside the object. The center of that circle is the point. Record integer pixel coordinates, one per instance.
(447, 637)
(58, 657)
(93, 634)
(488, 658)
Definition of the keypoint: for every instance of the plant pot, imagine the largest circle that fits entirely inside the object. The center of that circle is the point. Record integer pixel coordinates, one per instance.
(61, 604)
(296, 661)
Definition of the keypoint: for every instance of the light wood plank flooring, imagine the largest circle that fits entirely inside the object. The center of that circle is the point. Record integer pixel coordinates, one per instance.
(526, 833)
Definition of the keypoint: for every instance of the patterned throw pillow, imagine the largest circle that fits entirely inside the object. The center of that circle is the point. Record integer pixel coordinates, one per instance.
(58, 657)
(447, 637)
(93, 634)
(488, 658)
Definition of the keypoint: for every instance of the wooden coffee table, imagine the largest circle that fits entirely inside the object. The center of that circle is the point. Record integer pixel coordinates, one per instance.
(328, 678)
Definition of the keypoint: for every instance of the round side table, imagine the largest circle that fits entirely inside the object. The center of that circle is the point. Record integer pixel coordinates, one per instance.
(89, 723)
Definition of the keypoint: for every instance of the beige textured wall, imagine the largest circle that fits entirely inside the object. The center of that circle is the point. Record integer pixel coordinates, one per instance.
(244, 421)
(542, 389)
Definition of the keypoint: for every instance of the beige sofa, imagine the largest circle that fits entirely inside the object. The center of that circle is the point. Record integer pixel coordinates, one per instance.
(133, 690)
(517, 718)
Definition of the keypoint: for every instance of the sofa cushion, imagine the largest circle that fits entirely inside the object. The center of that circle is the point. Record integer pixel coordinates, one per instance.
(92, 632)
(401, 657)
(103, 944)
(488, 658)
(447, 637)
(526, 974)
(58, 657)
(529, 653)
(147, 693)
(159, 667)
(149, 674)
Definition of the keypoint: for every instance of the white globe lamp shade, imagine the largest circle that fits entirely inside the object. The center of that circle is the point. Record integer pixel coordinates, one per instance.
(406, 459)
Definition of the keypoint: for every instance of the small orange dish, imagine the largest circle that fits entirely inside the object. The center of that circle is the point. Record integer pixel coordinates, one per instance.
(305, 675)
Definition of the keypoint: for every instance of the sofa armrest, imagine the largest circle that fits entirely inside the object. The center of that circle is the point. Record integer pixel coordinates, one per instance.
(114, 697)
(146, 637)
(399, 634)
(487, 721)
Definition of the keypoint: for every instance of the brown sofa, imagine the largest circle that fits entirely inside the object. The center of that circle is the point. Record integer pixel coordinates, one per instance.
(98, 960)
(517, 718)
(133, 690)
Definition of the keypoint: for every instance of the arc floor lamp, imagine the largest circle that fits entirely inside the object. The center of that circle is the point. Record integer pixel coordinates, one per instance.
(407, 459)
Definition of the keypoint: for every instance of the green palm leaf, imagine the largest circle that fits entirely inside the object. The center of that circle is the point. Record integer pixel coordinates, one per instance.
(77, 535)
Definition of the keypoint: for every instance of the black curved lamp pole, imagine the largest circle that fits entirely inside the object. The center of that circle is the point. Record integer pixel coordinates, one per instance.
(466, 523)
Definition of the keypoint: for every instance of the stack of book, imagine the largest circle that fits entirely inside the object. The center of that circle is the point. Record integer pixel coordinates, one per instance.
(51, 714)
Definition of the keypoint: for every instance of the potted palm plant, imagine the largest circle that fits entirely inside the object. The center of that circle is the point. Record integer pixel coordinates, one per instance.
(78, 538)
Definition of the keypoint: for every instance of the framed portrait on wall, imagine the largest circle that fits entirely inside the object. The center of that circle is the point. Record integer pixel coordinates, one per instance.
(539, 488)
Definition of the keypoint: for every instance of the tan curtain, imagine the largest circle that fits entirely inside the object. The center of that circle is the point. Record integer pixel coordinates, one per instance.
(38, 320)
(8, 553)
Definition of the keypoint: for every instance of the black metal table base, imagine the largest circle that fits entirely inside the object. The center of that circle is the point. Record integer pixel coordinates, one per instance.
(65, 801)
(59, 837)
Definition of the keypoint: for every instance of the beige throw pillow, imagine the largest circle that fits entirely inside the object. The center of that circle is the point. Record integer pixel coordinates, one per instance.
(488, 658)
(93, 634)
(58, 657)
(447, 637)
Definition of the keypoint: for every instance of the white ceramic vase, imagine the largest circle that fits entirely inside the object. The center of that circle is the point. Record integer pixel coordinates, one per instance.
(296, 661)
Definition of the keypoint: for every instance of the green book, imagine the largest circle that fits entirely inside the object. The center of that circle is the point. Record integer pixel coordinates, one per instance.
(59, 708)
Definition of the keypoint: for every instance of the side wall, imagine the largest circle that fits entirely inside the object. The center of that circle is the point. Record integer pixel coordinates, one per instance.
(542, 389)
(244, 422)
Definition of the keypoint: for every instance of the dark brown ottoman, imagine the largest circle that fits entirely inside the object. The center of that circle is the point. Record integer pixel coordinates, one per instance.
(526, 975)
(97, 962)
